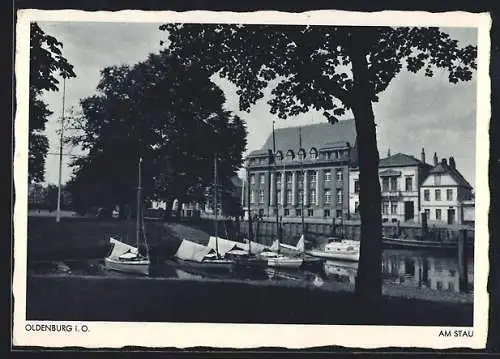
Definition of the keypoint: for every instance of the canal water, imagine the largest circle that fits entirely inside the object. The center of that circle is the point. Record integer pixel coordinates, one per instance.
(414, 271)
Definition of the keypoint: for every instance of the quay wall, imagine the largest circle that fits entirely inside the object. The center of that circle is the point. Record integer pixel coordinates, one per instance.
(317, 230)
(89, 237)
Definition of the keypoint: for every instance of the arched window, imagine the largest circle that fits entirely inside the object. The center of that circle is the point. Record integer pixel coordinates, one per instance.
(301, 153)
(290, 154)
(313, 153)
(279, 155)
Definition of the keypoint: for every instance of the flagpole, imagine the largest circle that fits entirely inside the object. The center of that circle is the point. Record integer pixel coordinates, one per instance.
(58, 214)
(275, 194)
(304, 189)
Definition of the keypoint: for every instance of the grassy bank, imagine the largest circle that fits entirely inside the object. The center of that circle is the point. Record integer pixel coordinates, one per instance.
(174, 300)
(89, 237)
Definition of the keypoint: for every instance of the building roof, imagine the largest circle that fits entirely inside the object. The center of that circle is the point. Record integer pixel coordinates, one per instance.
(320, 135)
(400, 160)
(444, 168)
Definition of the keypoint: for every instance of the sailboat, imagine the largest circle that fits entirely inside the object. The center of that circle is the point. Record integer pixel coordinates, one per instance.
(196, 255)
(127, 258)
(275, 259)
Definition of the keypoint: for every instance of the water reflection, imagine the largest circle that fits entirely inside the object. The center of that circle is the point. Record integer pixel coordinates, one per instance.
(343, 272)
(423, 270)
(410, 269)
(402, 268)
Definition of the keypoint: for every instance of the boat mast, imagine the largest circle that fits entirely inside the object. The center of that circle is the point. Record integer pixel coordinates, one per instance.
(250, 229)
(215, 206)
(58, 213)
(303, 181)
(139, 206)
(276, 191)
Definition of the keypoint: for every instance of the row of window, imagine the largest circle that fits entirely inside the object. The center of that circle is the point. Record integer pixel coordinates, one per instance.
(437, 195)
(393, 206)
(302, 155)
(309, 212)
(327, 196)
(327, 176)
(390, 184)
(437, 212)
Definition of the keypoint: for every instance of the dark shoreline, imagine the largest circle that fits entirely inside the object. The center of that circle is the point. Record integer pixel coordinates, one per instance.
(93, 298)
(84, 298)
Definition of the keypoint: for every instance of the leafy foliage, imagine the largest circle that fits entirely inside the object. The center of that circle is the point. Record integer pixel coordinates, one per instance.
(169, 113)
(331, 69)
(313, 63)
(46, 62)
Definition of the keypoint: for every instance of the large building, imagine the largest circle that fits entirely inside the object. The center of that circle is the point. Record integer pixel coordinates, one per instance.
(400, 178)
(446, 194)
(309, 171)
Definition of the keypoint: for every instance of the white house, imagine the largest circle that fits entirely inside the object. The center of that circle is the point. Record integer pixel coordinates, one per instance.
(446, 194)
(400, 177)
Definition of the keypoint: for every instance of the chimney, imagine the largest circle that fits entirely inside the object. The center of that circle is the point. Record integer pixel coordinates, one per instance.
(388, 152)
(422, 155)
(452, 163)
(435, 158)
(443, 162)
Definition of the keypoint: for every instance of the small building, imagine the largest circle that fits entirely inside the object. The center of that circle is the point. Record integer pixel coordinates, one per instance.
(229, 200)
(400, 177)
(446, 195)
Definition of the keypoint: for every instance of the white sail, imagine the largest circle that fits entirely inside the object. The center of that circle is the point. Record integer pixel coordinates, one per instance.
(193, 251)
(301, 244)
(224, 246)
(120, 248)
(299, 247)
(254, 247)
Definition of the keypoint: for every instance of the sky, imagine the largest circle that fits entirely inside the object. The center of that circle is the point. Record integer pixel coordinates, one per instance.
(414, 112)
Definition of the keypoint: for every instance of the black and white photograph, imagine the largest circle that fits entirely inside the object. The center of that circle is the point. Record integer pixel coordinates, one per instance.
(251, 179)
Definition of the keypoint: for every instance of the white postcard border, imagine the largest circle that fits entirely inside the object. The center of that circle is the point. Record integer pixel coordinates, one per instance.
(182, 335)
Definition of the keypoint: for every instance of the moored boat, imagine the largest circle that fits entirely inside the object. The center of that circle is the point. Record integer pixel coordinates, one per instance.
(276, 260)
(337, 248)
(298, 251)
(421, 244)
(127, 258)
(195, 255)
(241, 253)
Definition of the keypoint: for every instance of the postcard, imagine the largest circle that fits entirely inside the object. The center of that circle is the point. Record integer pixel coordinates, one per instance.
(246, 180)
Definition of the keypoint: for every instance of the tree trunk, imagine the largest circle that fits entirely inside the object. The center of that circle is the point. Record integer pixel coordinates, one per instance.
(369, 279)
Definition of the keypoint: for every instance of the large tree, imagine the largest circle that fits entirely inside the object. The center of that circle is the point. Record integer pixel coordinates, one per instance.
(166, 112)
(331, 69)
(46, 63)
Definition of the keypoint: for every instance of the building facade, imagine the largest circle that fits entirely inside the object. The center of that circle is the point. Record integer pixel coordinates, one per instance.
(306, 174)
(227, 204)
(400, 178)
(446, 195)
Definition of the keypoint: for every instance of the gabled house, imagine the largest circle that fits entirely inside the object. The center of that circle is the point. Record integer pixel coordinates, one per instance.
(400, 178)
(446, 195)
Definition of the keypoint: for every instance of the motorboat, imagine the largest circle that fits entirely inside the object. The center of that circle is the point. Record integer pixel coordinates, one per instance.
(338, 248)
